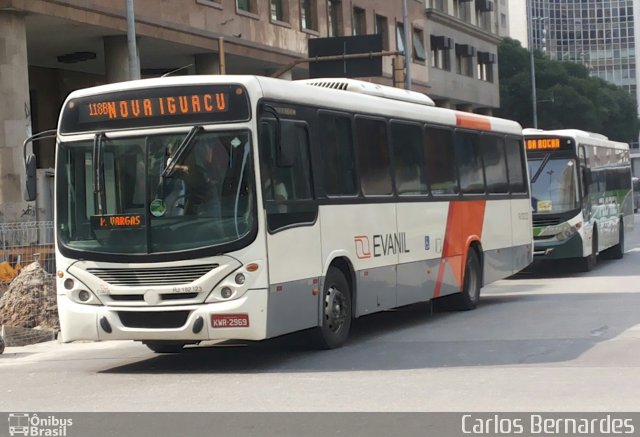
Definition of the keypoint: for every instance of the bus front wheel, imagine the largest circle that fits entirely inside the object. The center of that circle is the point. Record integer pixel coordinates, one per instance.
(336, 311)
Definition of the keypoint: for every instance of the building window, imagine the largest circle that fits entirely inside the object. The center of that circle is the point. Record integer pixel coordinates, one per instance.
(308, 14)
(418, 45)
(441, 52)
(438, 4)
(279, 10)
(359, 21)
(485, 66)
(382, 28)
(461, 10)
(464, 59)
(334, 15)
(246, 5)
(400, 37)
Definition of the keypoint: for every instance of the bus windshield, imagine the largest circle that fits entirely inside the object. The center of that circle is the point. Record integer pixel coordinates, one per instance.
(155, 193)
(554, 186)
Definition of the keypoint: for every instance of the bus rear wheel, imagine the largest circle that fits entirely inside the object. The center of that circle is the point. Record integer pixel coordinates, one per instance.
(470, 296)
(336, 311)
(165, 347)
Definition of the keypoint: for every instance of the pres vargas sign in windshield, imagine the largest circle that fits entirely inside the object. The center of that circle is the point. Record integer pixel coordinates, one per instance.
(152, 107)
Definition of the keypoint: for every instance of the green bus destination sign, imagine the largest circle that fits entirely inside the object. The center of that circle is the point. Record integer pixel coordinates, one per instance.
(152, 107)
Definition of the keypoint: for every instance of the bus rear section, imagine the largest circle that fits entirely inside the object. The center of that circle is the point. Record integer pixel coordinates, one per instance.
(581, 196)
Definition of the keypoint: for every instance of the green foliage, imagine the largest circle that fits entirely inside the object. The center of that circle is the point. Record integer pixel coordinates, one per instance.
(567, 97)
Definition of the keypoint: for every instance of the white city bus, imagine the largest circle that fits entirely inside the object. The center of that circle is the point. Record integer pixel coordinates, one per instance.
(581, 195)
(241, 207)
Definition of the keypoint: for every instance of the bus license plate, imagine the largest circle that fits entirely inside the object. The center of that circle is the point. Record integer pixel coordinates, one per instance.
(230, 320)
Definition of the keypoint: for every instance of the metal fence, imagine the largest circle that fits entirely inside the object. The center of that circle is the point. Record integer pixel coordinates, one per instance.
(25, 242)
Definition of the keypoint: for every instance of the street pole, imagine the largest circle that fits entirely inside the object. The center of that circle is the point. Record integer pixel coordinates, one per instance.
(533, 68)
(407, 52)
(134, 67)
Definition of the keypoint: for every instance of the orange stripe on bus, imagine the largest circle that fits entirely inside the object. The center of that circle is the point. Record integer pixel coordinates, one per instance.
(473, 121)
(464, 224)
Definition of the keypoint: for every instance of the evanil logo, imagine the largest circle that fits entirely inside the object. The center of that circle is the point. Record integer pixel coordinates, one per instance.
(33, 425)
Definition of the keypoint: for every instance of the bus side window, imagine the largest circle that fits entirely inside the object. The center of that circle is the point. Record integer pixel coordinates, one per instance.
(408, 158)
(469, 162)
(495, 164)
(373, 157)
(339, 178)
(286, 188)
(441, 163)
(515, 166)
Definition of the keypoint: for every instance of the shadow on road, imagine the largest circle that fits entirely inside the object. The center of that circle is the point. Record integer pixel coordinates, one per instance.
(500, 332)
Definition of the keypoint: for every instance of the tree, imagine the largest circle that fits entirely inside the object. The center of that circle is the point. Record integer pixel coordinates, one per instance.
(568, 98)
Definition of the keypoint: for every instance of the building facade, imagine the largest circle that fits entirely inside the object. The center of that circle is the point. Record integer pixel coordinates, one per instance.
(49, 48)
(599, 34)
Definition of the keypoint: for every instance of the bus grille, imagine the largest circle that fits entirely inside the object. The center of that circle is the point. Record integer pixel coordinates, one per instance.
(153, 276)
(153, 319)
(546, 221)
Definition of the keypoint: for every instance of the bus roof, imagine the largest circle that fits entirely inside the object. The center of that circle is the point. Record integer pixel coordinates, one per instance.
(308, 92)
(580, 136)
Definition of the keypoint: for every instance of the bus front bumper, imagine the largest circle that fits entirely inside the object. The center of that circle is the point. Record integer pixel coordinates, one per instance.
(548, 250)
(243, 318)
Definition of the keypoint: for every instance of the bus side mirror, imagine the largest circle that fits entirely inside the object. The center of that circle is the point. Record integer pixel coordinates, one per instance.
(30, 182)
(286, 148)
(30, 163)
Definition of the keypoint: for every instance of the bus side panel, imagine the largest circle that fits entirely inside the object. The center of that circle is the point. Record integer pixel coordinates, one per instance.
(497, 241)
(521, 231)
(423, 226)
(295, 268)
(367, 233)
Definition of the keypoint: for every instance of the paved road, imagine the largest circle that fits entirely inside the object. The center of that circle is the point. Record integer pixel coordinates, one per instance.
(545, 341)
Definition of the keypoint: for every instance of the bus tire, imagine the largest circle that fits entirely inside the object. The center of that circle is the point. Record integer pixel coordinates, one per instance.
(336, 311)
(165, 347)
(470, 296)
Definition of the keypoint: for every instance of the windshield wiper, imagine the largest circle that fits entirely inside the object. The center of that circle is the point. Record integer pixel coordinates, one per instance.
(177, 156)
(535, 177)
(98, 170)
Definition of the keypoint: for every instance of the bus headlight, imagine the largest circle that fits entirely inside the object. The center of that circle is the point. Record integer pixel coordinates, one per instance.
(226, 292)
(235, 285)
(84, 297)
(77, 291)
(567, 233)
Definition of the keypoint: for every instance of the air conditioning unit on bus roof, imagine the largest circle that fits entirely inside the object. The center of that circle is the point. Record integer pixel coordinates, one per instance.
(371, 89)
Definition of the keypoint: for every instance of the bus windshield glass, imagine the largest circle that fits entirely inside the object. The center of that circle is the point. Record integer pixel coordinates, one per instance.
(130, 204)
(554, 185)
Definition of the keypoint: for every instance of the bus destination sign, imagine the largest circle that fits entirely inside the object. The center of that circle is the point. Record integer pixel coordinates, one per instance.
(543, 144)
(155, 107)
(117, 221)
(159, 106)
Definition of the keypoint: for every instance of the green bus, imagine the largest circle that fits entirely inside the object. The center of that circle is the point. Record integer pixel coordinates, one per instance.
(581, 195)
